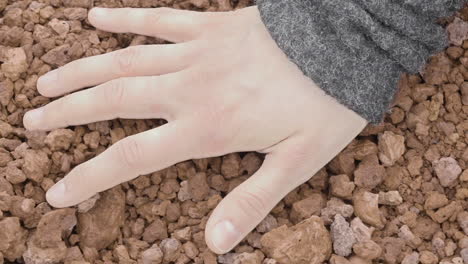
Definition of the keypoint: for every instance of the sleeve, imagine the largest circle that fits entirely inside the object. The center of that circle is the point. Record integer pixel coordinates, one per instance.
(356, 50)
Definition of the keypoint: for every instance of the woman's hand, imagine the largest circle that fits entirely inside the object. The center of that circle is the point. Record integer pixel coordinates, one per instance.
(224, 87)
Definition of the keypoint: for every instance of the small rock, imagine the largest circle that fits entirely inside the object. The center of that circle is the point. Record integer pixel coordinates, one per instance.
(184, 193)
(464, 254)
(457, 31)
(14, 175)
(22, 207)
(343, 163)
(447, 170)
(427, 257)
(369, 173)
(5, 157)
(361, 231)
(392, 248)
(14, 63)
(36, 139)
(435, 200)
(359, 260)
(36, 165)
(247, 258)
(60, 27)
(455, 52)
(3, 4)
(190, 250)
(153, 255)
(450, 248)
(198, 187)
(6, 93)
(12, 238)
(269, 261)
(445, 213)
(336, 206)
(269, 223)
(60, 139)
(230, 166)
(157, 230)
(58, 56)
(100, 226)
(408, 236)
(250, 163)
(395, 174)
(75, 13)
(341, 186)
(463, 243)
(307, 207)
(47, 245)
(227, 258)
(412, 258)
(319, 180)
(364, 148)
(92, 139)
(367, 249)
(121, 254)
(462, 219)
(391, 147)
(390, 198)
(335, 259)
(171, 248)
(342, 236)
(464, 176)
(5, 129)
(367, 209)
(415, 164)
(184, 234)
(305, 243)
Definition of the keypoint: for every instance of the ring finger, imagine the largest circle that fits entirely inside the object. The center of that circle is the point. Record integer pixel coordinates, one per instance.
(138, 97)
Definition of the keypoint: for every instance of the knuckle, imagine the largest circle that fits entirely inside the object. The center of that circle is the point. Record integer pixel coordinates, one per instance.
(220, 128)
(126, 60)
(114, 93)
(215, 141)
(253, 202)
(129, 152)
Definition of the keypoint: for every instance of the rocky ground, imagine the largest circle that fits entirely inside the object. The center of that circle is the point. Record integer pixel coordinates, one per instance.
(397, 194)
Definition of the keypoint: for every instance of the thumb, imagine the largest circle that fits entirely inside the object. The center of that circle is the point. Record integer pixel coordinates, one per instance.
(248, 204)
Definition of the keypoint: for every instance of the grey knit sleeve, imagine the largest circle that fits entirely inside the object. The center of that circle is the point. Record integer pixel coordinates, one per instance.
(356, 50)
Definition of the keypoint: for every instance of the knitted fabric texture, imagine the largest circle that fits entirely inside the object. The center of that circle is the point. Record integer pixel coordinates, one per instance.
(356, 50)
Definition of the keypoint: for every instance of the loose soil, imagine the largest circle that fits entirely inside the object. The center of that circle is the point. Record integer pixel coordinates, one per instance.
(397, 194)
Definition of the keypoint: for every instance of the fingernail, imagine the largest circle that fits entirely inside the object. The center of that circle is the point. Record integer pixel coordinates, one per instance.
(56, 193)
(32, 119)
(225, 235)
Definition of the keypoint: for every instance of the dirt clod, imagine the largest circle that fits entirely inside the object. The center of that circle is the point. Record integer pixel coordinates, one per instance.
(306, 242)
(447, 170)
(12, 238)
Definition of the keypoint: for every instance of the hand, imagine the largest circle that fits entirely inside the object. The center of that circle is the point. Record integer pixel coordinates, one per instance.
(224, 87)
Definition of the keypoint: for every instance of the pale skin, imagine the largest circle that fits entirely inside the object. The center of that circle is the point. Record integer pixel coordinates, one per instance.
(223, 87)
